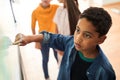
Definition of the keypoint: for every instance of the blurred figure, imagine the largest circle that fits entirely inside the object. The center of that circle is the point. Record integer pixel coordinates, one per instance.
(44, 14)
(63, 19)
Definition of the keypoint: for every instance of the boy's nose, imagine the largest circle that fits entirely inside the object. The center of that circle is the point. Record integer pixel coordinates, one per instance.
(79, 38)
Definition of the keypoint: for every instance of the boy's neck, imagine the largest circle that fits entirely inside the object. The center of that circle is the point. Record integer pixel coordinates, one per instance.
(91, 54)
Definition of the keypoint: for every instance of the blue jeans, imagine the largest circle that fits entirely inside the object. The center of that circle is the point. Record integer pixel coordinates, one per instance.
(45, 58)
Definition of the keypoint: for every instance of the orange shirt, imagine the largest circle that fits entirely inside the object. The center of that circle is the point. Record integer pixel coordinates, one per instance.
(44, 16)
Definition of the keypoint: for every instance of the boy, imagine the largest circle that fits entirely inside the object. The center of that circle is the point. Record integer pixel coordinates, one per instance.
(83, 58)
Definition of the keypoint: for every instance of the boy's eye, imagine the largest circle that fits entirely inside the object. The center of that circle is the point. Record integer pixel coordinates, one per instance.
(77, 29)
(87, 35)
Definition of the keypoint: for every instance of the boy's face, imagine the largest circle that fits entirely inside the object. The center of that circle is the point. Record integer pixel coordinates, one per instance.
(45, 3)
(85, 37)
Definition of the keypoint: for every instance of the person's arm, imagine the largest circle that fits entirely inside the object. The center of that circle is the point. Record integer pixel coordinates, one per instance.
(106, 75)
(33, 23)
(56, 41)
(22, 40)
(55, 20)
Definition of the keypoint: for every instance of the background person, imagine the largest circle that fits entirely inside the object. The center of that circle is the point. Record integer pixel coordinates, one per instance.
(63, 19)
(44, 14)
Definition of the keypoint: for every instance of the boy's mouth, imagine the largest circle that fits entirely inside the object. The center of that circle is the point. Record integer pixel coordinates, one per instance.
(77, 45)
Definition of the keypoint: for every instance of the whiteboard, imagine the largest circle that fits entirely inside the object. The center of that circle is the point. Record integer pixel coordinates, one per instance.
(9, 58)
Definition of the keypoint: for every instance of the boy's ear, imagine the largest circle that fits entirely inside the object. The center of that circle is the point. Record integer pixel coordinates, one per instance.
(102, 38)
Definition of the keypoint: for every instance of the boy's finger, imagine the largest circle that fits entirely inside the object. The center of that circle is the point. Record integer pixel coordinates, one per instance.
(17, 42)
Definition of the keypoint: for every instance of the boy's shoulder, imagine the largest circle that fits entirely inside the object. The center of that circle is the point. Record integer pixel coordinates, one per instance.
(103, 61)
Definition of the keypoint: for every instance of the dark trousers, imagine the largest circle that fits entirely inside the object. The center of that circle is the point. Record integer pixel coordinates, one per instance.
(45, 58)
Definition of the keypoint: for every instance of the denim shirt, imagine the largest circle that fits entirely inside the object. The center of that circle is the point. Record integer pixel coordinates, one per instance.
(100, 69)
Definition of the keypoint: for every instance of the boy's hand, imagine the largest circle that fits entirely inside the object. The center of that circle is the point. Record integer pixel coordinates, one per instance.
(20, 40)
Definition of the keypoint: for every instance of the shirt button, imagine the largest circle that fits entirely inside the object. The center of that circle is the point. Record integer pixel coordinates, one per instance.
(88, 73)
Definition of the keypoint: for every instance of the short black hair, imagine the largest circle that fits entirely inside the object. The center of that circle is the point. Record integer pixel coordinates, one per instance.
(100, 19)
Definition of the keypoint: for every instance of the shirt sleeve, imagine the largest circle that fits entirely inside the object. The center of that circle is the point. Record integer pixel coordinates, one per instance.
(56, 41)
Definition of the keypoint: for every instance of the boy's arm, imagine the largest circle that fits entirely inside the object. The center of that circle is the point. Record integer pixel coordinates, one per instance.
(56, 41)
(22, 40)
